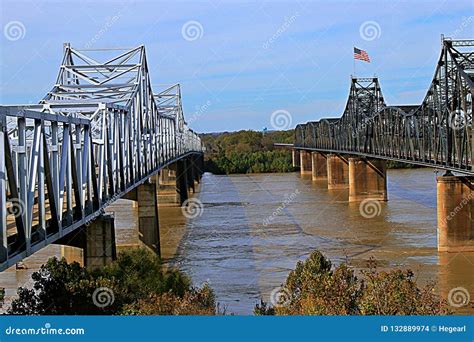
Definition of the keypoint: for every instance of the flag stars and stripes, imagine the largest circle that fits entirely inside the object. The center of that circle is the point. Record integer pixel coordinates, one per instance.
(361, 55)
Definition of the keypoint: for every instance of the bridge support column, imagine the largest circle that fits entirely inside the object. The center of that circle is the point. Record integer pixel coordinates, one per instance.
(97, 241)
(148, 224)
(338, 172)
(305, 162)
(295, 155)
(318, 165)
(190, 174)
(181, 181)
(167, 192)
(455, 214)
(367, 179)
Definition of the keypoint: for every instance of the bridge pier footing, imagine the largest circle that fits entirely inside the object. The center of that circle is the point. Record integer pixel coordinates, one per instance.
(94, 244)
(148, 223)
(338, 172)
(318, 166)
(367, 179)
(305, 162)
(455, 208)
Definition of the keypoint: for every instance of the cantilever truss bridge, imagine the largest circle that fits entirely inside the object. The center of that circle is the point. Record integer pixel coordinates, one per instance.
(437, 133)
(99, 133)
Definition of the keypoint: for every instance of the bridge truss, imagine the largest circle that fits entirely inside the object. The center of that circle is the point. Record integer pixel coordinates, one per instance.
(99, 133)
(438, 132)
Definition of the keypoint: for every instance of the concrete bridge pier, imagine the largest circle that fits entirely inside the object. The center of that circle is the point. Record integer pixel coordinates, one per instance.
(338, 172)
(148, 223)
(455, 197)
(367, 179)
(166, 184)
(190, 170)
(305, 162)
(318, 166)
(92, 245)
(182, 180)
(295, 155)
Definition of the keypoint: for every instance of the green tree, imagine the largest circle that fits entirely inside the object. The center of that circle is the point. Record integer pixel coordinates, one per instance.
(137, 278)
(314, 287)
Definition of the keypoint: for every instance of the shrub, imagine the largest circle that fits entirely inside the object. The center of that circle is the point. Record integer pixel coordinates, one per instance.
(315, 288)
(136, 279)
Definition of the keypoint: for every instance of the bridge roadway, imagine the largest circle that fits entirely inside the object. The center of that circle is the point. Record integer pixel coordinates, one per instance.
(351, 152)
(99, 135)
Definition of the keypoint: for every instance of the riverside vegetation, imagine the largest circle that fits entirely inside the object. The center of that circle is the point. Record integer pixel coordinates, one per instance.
(139, 284)
(253, 152)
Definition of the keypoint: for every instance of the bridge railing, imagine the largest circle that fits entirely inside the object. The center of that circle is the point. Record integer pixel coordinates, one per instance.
(59, 172)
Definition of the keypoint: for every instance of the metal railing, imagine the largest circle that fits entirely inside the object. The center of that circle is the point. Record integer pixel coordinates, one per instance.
(97, 135)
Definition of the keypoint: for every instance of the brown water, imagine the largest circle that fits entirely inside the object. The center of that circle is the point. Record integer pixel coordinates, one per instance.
(254, 228)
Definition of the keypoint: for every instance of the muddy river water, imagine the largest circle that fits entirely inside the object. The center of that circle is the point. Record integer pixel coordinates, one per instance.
(254, 228)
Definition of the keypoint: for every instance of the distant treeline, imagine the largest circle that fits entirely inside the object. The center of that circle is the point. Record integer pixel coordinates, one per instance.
(247, 152)
(253, 152)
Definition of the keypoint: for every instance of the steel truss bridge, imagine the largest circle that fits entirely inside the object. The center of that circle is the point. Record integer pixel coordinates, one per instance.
(436, 133)
(99, 133)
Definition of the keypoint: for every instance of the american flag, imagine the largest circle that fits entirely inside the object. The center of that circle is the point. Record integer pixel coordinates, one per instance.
(361, 54)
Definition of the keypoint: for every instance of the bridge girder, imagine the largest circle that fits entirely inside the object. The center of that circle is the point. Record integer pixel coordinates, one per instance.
(437, 132)
(99, 133)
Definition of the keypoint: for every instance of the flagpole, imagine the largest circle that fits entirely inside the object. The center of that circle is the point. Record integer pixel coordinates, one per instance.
(354, 62)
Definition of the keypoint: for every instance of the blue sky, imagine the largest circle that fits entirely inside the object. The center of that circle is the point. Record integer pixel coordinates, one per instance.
(248, 59)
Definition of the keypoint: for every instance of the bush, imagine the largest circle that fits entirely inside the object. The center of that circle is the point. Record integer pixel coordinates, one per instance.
(315, 288)
(137, 278)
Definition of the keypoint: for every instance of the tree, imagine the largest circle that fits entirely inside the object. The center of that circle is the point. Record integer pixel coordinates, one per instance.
(314, 287)
(136, 279)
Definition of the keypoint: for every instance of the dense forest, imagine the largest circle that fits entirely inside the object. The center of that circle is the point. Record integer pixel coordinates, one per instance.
(253, 152)
(247, 152)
